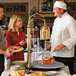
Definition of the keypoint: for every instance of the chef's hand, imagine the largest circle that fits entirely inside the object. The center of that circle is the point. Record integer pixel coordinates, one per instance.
(59, 47)
(22, 42)
(48, 47)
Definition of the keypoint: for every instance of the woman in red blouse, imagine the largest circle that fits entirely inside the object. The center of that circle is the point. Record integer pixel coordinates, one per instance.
(15, 37)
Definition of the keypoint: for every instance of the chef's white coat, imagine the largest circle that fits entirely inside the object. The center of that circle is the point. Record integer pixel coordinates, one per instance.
(64, 32)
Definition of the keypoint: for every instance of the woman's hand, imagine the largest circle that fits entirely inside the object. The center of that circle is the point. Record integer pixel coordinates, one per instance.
(22, 42)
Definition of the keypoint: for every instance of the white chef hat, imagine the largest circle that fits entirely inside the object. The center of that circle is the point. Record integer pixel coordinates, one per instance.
(60, 4)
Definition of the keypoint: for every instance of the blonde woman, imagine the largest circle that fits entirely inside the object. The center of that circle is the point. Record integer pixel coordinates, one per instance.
(15, 37)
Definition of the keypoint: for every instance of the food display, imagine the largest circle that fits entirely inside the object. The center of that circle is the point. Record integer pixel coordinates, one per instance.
(17, 73)
(35, 73)
(31, 75)
(26, 72)
(15, 48)
(47, 60)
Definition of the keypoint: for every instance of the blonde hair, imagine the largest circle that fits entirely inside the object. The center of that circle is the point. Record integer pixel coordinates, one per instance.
(13, 19)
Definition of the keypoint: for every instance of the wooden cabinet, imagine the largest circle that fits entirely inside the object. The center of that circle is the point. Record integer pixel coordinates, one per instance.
(70, 0)
(71, 5)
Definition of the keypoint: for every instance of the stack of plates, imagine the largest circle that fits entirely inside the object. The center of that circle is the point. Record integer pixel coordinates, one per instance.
(15, 67)
(20, 63)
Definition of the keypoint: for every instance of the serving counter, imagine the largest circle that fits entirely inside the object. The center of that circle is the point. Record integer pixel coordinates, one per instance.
(62, 72)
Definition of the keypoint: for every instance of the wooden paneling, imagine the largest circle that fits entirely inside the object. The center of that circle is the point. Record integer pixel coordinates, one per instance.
(16, 9)
(70, 0)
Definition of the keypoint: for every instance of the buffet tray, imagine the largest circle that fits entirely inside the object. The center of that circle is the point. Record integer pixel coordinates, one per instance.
(56, 66)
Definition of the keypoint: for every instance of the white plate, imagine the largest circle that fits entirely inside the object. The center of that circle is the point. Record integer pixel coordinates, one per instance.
(51, 72)
(21, 63)
(21, 48)
(15, 67)
(18, 62)
(5, 73)
(14, 48)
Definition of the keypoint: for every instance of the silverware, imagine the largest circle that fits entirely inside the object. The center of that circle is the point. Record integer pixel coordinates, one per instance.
(45, 53)
(42, 53)
(50, 52)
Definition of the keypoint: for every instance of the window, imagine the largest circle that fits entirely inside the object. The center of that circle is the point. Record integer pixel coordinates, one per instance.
(14, 7)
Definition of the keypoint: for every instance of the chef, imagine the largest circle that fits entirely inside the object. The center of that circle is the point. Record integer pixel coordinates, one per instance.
(63, 37)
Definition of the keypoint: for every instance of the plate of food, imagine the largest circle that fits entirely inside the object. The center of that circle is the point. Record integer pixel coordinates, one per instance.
(16, 48)
(48, 63)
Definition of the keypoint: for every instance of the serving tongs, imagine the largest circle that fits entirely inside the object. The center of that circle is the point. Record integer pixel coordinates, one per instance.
(44, 51)
(50, 52)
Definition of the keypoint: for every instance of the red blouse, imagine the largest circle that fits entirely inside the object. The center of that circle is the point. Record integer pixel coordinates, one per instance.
(12, 39)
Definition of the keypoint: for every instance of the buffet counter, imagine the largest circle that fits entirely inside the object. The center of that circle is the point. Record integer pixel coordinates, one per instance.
(64, 71)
